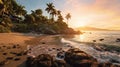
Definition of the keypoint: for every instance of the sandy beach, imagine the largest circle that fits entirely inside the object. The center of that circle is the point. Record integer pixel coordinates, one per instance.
(13, 46)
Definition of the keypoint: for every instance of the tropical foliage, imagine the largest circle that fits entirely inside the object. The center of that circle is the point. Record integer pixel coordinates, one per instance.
(14, 18)
(68, 16)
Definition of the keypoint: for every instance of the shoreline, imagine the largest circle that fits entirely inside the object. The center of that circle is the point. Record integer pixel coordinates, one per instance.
(45, 44)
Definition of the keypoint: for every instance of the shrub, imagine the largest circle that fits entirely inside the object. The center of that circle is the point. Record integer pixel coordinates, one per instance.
(4, 29)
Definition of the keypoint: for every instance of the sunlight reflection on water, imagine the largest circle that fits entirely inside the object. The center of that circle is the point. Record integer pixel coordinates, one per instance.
(109, 37)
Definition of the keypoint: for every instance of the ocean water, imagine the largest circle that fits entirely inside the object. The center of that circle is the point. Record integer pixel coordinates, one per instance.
(102, 45)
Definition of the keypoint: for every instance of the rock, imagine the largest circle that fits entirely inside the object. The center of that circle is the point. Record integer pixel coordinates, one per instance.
(94, 40)
(59, 63)
(99, 48)
(77, 58)
(118, 40)
(4, 53)
(3, 62)
(16, 59)
(9, 58)
(13, 53)
(4, 46)
(29, 62)
(49, 49)
(107, 64)
(18, 45)
(53, 48)
(60, 55)
(101, 39)
(8, 47)
(25, 52)
(58, 49)
(114, 61)
(43, 60)
(14, 46)
(19, 54)
(43, 42)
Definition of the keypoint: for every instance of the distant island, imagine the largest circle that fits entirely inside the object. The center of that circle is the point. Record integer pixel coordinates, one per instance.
(88, 28)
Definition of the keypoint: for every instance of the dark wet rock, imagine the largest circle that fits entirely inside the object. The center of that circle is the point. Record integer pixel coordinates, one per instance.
(4, 46)
(59, 63)
(17, 59)
(25, 52)
(29, 49)
(58, 49)
(94, 40)
(4, 53)
(61, 55)
(107, 64)
(19, 54)
(118, 40)
(30, 62)
(99, 48)
(14, 46)
(3, 62)
(14, 53)
(53, 48)
(114, 61)
(43, 42)
(72, 58)
(76, 57)
(9, 58)
(8, 47)
(49, 49)
(43, 60)
(18, 45)
(101, 39)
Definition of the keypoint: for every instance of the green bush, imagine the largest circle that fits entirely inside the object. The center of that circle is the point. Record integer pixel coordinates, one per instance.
(21, 28)
(4, 29)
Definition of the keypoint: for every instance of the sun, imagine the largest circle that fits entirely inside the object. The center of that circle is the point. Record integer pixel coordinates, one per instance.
(82, 24)
(78, 24)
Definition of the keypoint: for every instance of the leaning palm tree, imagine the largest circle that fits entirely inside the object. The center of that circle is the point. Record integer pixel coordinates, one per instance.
(68, 16)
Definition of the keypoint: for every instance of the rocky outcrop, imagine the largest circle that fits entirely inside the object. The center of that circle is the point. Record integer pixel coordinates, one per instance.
(77, 58)
(74, 57)
(44, 60)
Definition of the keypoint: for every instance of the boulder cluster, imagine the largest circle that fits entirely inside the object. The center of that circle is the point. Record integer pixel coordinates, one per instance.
(74, 57)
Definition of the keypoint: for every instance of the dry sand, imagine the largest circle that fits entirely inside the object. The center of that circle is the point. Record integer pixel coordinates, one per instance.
(9, 40)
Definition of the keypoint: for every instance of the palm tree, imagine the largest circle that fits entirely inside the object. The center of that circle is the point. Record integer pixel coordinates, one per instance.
(68, 16)
(53, 13)
(51, 10)
(60, 18)
(58, 12)
(38, 12)
(20, 10)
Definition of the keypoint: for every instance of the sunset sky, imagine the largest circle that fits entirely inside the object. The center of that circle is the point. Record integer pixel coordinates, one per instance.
(95, 13)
